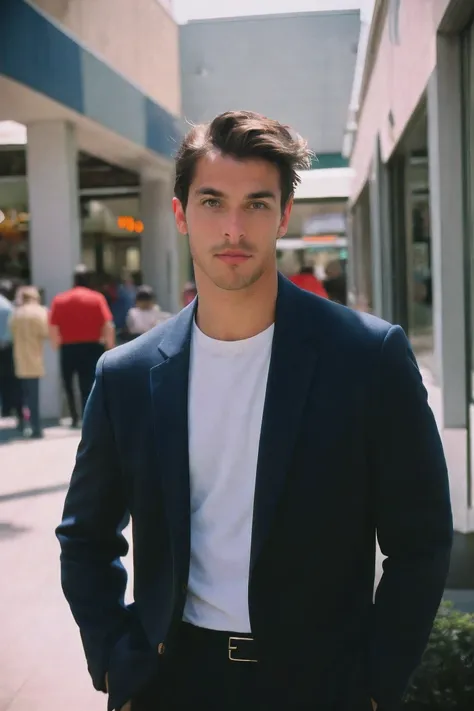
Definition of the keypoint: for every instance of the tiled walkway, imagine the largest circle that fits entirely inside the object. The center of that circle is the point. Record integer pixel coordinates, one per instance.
(42, 667)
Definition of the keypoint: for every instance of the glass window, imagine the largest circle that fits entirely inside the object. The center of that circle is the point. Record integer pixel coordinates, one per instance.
(418, 244)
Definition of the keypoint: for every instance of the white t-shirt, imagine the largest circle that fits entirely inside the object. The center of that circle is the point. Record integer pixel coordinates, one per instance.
(142, 320)
(228, 381)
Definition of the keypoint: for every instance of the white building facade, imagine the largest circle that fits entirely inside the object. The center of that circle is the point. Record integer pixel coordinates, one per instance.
(90, 109)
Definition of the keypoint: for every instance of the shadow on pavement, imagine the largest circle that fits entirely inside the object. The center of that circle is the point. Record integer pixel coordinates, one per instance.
(29, 493)
(10, 530)
(53, 431)
(9, 435)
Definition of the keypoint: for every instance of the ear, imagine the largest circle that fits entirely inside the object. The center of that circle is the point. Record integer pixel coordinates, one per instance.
(285, 218)
(180, 216)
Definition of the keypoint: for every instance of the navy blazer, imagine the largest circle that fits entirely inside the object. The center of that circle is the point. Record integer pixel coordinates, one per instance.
(348, 448)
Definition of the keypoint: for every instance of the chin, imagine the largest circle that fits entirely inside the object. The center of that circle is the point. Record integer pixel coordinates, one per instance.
(236, 281)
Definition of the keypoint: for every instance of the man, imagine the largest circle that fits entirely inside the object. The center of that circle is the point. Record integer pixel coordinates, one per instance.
(146, 314)
(29, 328)
(335, 282)
(10, 394)
(81, 324)
(254, 514)
(307, 280)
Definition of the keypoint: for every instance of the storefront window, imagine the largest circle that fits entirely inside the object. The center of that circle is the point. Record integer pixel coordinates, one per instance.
(418, 244)
(111, 235)
(421, 301)
(360, 295)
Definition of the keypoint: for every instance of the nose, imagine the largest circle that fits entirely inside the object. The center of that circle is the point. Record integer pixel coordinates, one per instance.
(234, 230)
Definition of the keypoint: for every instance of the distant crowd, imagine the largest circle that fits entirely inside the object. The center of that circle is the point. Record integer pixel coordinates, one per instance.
(81, 324)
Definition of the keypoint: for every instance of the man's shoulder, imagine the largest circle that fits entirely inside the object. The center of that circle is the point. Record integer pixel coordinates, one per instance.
(37, 312)
(62, 298)
(140, 354)
(340, 325)
(88, 296)
(78, 294)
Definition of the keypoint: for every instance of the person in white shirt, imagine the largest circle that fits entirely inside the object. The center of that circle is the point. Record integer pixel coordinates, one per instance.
(258, 439)
(146, 314)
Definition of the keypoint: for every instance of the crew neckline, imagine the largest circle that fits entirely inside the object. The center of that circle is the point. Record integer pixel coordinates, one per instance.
(230, 348)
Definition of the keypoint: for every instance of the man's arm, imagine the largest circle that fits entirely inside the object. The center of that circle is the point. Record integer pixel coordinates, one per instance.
(108, 327)
(54, 331)
(42, 325)
(413, 519)
(92, 575)
(108, 335)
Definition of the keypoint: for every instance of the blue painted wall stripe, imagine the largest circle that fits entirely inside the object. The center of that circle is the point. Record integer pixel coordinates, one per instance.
(36, 53)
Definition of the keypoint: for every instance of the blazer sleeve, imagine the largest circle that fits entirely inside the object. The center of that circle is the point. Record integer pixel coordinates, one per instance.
(413, 520)
(91, 539)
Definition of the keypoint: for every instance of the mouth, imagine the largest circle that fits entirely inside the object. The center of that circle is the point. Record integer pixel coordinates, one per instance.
(233, 257)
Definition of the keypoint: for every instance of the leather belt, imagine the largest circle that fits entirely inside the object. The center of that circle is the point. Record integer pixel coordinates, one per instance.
(242, 649)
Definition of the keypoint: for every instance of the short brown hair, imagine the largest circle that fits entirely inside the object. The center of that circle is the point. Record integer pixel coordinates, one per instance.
(243, 135)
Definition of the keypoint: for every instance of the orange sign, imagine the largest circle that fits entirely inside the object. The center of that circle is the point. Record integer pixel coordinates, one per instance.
(130, 224)
(320, 238)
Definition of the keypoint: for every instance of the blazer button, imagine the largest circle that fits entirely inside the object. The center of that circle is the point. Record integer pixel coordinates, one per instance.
(161, 648)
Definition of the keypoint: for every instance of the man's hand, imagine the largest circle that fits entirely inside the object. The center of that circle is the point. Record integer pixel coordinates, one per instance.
(128, 706)
(374, 705)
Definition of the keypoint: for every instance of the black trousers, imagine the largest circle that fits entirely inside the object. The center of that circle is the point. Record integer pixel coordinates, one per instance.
(79, 359)
(30, 389)
(10, 388)
(200, 675)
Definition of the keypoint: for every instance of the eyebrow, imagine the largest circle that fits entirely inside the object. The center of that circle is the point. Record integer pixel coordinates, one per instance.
(259, 195)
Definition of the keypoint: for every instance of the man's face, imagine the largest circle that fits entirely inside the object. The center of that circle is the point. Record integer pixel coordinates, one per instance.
(233, 219)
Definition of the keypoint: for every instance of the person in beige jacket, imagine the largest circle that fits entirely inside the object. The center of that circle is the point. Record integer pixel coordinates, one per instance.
(29, 329)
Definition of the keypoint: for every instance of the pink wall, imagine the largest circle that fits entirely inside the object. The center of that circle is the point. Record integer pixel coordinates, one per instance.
(138, 38)
(398, 81)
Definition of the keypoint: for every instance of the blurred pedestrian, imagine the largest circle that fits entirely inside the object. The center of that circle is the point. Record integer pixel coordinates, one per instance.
(189, 293)
(29, 328)
(146, 314)
(336, 282)
(306, 278)
(260, 439)
(10, 392)
(81, 326)
(124, 301)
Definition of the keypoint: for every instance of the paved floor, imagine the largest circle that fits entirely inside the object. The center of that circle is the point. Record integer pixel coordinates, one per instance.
(42, 666)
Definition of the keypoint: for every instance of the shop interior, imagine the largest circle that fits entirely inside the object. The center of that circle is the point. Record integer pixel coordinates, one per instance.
(317, 236)
(111, 227)
(109, 209)
(418, 239)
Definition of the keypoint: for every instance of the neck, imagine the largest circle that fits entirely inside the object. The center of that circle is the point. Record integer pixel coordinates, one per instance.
(236, 315)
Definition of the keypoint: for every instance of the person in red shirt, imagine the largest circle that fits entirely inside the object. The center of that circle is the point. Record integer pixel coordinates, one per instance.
(81, 327)
(306, 280)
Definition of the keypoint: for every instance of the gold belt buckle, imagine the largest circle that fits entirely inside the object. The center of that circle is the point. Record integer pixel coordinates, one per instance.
(233, 648)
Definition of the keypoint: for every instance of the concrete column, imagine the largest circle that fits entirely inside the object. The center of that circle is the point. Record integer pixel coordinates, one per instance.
(159, 247)
(382, 263)
(55, 244)
(376, 238)
(445, 145)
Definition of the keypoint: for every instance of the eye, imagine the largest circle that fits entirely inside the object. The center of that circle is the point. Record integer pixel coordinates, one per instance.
(211, 202)
(258, 206)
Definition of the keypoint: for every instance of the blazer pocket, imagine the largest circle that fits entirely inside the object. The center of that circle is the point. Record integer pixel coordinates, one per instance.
(130, 669)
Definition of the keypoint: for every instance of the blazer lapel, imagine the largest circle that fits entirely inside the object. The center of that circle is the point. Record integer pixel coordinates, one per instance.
(292, 367)
(169, 390)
